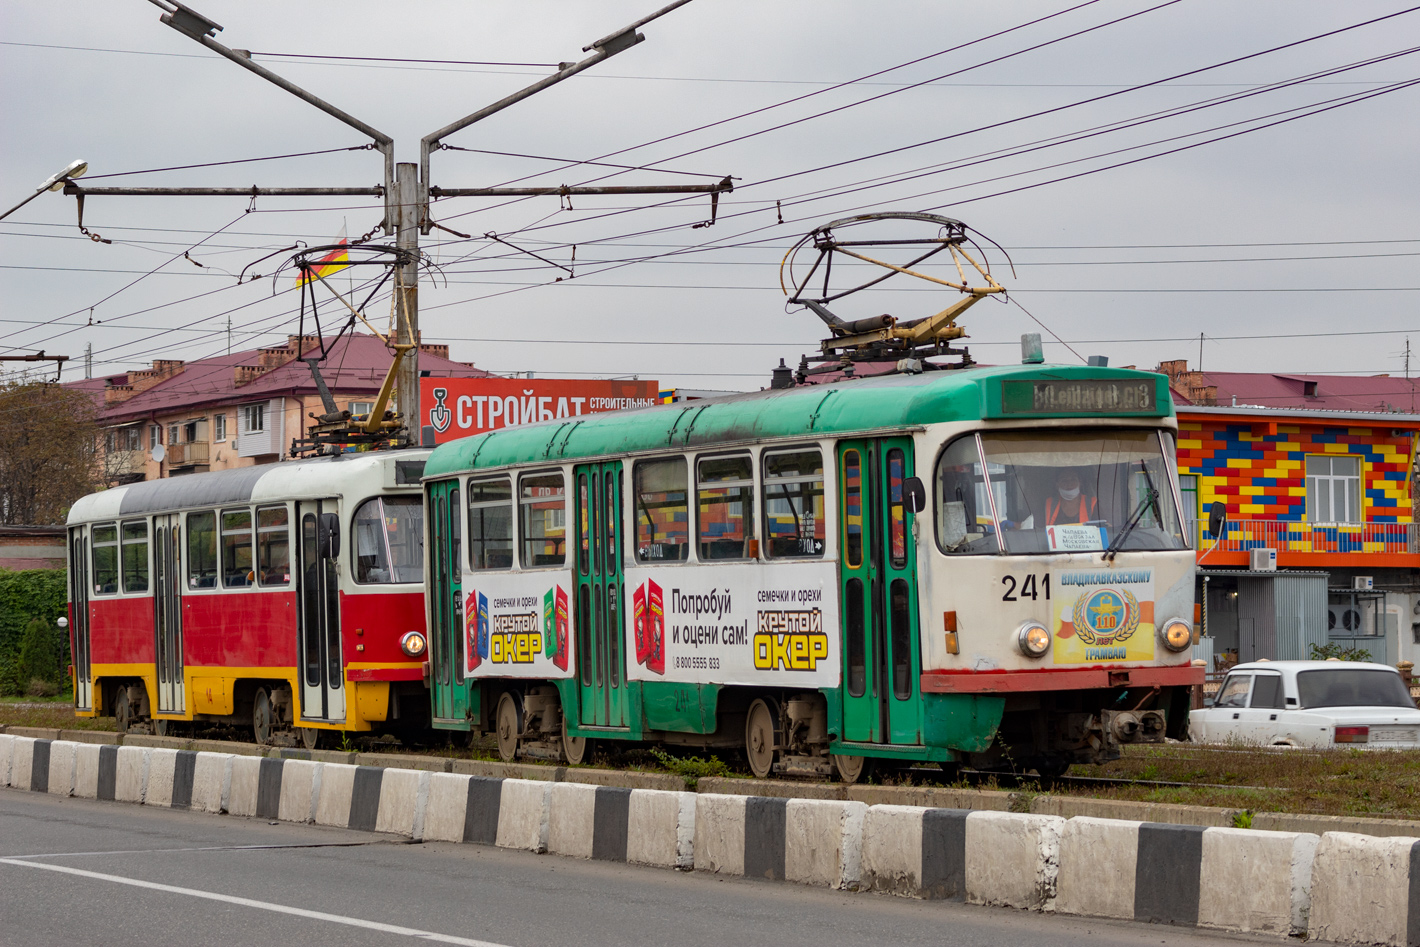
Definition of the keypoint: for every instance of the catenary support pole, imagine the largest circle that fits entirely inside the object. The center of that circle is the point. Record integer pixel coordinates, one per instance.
(407, 208)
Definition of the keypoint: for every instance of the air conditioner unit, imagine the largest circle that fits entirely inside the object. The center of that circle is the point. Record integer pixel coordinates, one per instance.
(1262, 560)
(1362, 583)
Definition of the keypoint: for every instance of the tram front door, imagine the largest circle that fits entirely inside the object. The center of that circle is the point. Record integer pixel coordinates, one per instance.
(318, 637)
(79, 616)
(882, 662)
(167, 610)
(601, 592)
(446, 647)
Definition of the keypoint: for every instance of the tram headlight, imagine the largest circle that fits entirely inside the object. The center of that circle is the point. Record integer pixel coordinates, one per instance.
(412, 643)
(1177, 634)
(1033, 639)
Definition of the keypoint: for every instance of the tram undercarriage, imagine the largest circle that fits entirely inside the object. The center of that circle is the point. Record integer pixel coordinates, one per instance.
(1048, 731)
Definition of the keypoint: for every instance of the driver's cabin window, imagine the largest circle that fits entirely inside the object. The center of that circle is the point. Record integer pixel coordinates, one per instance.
(964, 522)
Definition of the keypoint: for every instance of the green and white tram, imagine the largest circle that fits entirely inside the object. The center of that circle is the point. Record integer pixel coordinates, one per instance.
(983, 566)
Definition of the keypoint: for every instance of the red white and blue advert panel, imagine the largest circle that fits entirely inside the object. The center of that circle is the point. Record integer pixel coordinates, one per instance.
(734, 624)
(519, 625)
(459, 407)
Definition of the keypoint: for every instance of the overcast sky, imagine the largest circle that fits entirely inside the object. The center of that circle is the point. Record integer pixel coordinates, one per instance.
(1304, 233)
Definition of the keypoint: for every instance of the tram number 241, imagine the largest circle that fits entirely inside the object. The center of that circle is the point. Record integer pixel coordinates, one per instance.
(1025, 588)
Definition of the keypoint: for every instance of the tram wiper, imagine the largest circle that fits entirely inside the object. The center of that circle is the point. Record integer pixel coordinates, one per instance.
(1149, 499)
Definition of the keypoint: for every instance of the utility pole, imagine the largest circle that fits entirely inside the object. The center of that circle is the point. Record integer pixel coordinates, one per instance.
(406, 189)
(89, 360)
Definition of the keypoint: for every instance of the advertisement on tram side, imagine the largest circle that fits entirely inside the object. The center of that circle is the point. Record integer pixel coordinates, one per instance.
(459, 407)
(734, 624)
(521, 628)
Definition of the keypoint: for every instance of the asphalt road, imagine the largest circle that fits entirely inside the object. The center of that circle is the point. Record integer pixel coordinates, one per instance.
(76, 871)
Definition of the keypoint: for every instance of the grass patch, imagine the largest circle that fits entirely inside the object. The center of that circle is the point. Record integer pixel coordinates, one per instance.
(691, 768)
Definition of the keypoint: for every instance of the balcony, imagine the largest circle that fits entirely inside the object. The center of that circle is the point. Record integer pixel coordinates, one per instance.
(1314, 544)
(185, 455)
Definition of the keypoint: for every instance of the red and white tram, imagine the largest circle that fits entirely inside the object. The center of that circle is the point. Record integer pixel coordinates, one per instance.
(287, 597)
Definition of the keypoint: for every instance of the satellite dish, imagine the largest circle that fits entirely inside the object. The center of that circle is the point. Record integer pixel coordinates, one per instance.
(159, 452)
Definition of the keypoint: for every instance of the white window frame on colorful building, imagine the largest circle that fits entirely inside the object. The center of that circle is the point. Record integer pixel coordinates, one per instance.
(1352, 483)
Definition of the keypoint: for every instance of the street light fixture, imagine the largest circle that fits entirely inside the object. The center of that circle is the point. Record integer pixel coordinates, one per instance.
(55, 182)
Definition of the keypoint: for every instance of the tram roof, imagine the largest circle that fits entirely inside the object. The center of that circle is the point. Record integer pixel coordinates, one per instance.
(315, 477)
(808, 411)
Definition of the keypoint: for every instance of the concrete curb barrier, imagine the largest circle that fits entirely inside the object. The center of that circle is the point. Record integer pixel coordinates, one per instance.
(661, 829)
(812, 841)
(403, 796)
(1012, 859)
(1069, 807)
(609, 823)
(91, 736)
(1258, 882)
(130, 774)
(349, 796)
(823, 842)
(34, 733)
(86, 769)
(299, 790)
(22, 754)
(1366, 890)
(211, 779)
(1099, 859)
(1318, 824)
(162, 777)
(523, 814)
(60, 781)
(7, 753)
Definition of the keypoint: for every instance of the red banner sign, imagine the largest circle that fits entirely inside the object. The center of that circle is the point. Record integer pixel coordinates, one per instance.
(458, 407)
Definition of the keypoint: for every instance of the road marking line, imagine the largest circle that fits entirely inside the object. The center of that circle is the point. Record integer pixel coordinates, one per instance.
(213, 848)
(259, 905)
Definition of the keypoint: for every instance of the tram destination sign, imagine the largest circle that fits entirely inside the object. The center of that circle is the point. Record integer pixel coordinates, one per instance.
(1053, 397)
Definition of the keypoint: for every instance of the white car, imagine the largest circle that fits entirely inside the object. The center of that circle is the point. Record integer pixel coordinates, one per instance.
(1312, 704)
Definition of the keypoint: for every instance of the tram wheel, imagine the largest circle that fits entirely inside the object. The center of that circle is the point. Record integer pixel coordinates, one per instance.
(122, 711)
(849, 769)
(507, 727)
(759, 739)
(261, 717)
(309, 736)
(576, 750)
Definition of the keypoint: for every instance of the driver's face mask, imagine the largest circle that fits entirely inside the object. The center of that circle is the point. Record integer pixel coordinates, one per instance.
(1069, 494)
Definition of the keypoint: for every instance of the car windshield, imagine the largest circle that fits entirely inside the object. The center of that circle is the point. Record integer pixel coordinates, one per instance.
(1352, 687)
(1056, 490)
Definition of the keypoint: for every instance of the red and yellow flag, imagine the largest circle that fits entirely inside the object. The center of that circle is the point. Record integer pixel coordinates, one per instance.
(333, 262)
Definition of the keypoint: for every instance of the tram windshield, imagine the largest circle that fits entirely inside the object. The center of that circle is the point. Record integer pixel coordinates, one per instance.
(1056, 491)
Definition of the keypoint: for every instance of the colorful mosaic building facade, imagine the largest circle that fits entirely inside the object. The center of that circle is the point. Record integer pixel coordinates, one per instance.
(1310, 486)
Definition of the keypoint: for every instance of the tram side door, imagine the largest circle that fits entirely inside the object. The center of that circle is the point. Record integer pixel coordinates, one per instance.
(446, 649)
(167, 612)
(79, 617)
(601, 593)
(322, 665)
(882, 663)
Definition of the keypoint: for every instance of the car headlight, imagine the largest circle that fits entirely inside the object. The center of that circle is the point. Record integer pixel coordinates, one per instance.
(1177, 634)
(1033, 639)
(412, 643)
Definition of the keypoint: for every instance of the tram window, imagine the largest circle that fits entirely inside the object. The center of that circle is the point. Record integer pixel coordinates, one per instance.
(388, 540)
(900, 604)
(725, 507)
(662, 514)
(852, 509)
(105, 559)
(135, 556)
(897, 514)
(857, 649)
(202, 550)
(273, 546)
(612, 546)
(584, 531)
(543, 508)
(490, 524)
(793, 505)
(237, 563)
(964, 525)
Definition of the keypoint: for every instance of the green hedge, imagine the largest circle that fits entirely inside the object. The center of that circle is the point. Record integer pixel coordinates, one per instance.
(26, 596)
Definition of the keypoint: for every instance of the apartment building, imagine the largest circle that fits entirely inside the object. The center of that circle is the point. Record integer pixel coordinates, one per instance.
(240, 409)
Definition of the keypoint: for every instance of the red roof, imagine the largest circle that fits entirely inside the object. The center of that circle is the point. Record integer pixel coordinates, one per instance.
(356, 365)
(1371, 393)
